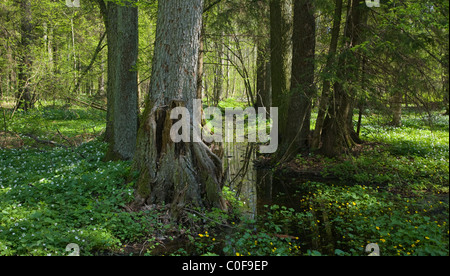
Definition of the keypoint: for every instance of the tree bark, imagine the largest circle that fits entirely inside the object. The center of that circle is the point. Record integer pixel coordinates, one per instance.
(182, 173)
(338, 128)
(328, 71)
(24, 97)
(297, 131)
(280, 58)
(122, 86)
(396, 105)
(263, 87)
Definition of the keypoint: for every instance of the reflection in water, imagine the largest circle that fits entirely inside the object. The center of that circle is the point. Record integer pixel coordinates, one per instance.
(241, 174)
(252, 185)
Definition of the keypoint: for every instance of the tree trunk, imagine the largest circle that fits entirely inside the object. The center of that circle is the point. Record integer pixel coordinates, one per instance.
(175, 173)
(396, 106)
(122, 89)
(446, 79)
(200, 69)
(337, 135)
(24, 98)
(297, 131)
(328, 71)
(281, 50)
(263, 89)
(218, 76)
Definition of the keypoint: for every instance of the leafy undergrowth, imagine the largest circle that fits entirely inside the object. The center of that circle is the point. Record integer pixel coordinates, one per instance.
(49, 199)
(63, 125)
(393, 192)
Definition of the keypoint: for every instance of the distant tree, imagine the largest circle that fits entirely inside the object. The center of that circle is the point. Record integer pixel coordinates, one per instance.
(24, 96)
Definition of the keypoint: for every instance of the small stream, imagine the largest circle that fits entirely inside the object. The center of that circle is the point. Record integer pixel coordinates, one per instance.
(259, 186)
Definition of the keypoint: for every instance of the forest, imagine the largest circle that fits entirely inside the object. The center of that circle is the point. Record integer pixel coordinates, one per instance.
(224, 128)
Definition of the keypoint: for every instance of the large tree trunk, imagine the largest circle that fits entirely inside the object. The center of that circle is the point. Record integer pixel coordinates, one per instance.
(328, 70)
(263, 84)
(122, 90)
(280, 58)
(338, 131)
(182, 173)
(296, 133)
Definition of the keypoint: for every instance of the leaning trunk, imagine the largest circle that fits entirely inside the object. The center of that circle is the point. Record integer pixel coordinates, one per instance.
(184, 173)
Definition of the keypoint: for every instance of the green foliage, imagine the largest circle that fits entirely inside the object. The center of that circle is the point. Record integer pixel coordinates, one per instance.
(395, 194)
(50, 122)
(232, 103)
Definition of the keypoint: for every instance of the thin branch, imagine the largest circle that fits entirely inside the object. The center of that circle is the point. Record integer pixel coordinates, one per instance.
(211, 5)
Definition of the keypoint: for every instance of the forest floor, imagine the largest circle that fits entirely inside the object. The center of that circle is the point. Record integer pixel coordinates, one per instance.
(55, 189)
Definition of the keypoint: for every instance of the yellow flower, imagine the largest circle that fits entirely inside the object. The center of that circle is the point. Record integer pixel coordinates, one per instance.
(383, 240)
(427, 238)
(378, 228)
(237, 254)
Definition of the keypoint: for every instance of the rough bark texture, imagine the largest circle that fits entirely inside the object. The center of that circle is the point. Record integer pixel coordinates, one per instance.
(338, 128)
(263, 84)
(175, 173)
(296, 133)
(122, 114)
(328, 71)
(281, 50)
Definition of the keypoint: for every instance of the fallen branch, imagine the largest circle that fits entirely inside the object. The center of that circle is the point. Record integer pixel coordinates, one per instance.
(93, 105)
(65, 138)
(47, 142)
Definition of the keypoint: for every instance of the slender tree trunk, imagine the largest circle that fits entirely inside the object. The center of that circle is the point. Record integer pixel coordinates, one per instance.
(263, 89)
(446, 79)
(396, 105)
(200, 65)
(297, 131)
(122, 90)
(328, 70)
(24, 97)
(218, 76)
(185, 173)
